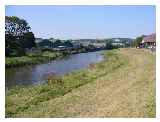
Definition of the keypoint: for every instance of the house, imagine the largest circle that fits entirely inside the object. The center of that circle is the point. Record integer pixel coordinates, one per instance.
(149, 41)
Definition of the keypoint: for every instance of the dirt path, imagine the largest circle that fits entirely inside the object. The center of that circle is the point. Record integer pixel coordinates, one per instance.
(126, 92)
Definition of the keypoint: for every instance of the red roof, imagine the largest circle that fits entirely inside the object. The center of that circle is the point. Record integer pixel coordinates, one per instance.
(150, 38)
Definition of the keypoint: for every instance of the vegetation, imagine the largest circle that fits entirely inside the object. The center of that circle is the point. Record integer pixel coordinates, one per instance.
(44, 43)
(68, 43)
(123, 85)
(48, 43)
(109, 45)
(137, 41)
(19, 41)
(54, 87)
(17, 36)
(32, 58)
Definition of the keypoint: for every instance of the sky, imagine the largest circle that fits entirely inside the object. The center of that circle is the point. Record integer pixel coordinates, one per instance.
(75, 22)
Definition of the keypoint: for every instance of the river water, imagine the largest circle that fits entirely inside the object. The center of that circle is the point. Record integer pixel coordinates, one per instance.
(36, 74)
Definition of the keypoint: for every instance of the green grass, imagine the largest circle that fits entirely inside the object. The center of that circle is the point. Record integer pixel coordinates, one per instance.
(120, 78)
(22, 98)
(31, 59)
(151, 107)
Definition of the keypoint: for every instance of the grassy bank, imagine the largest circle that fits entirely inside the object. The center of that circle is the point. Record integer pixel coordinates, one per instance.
(31, 59)
(115, 87)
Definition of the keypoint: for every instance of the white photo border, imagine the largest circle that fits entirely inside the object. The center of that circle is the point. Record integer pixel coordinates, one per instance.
(3, 3)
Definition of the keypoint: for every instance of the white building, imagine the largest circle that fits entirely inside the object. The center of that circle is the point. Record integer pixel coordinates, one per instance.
(117, 40)
(99, 45)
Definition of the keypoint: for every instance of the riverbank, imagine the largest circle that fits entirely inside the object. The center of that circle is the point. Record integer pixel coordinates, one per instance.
(37, 58)
(35, 74)
(123, 85)
(32, 59)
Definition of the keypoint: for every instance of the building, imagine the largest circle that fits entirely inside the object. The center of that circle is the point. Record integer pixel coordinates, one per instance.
(119, 44)
(149, 41)
(117, 40)
(99, 45)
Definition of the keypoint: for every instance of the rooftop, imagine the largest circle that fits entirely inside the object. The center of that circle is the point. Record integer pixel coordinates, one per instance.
(150, 38)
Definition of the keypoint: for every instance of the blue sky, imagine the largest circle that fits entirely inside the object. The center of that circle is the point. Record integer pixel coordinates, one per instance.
(73, 22)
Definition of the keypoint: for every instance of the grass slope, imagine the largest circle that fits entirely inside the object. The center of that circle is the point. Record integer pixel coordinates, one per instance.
(123, 85)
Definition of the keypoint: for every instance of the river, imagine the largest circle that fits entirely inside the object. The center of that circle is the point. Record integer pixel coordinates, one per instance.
(35, 74)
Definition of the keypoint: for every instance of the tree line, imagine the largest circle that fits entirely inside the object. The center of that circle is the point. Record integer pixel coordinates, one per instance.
(47, 42)
(19, 37)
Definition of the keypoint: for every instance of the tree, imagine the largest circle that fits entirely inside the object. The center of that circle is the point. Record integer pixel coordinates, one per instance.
(17, 36)
(12, 46)
(45, 43)
(15, 26)
(109, 44)
(68, 44)
(57, 43)
(28, 40)
(137, 41)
